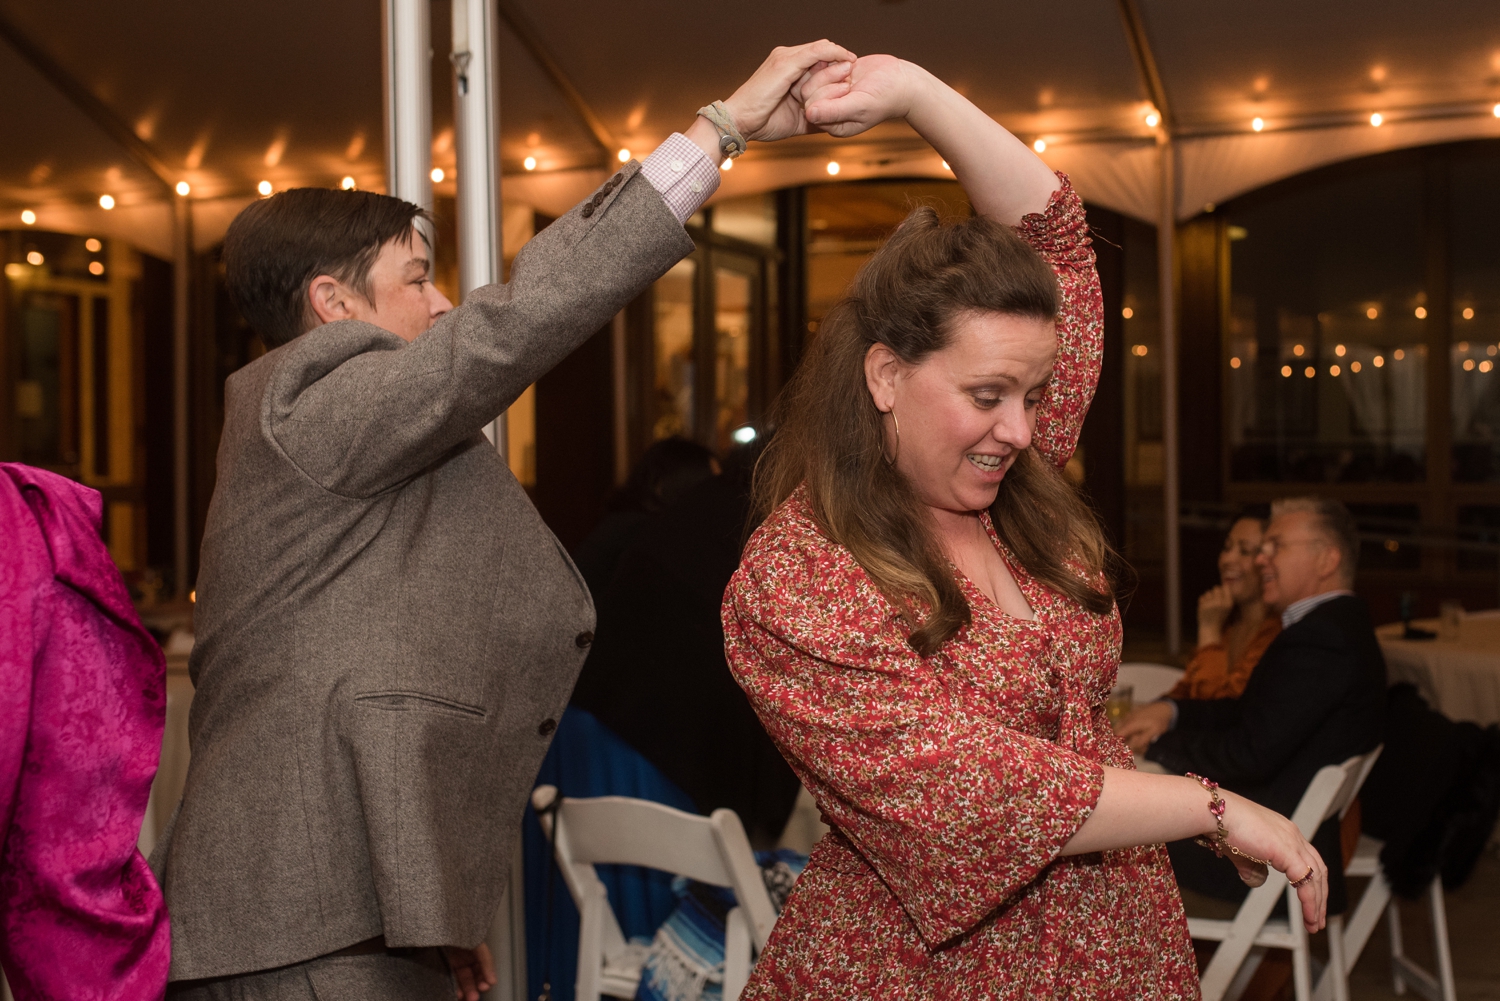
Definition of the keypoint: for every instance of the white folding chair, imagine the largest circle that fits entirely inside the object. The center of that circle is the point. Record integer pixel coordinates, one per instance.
(1329, 794)
(624, 831)
(1354, 934)
(1150, 681)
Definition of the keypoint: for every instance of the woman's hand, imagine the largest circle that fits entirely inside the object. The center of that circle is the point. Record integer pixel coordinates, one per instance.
(1214, 607)
(878, 89)
(1266, 834)
(769, 105)
(473, 971)
(1144, 725)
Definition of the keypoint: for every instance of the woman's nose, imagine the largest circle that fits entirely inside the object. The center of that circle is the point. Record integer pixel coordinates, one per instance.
(1013, 427)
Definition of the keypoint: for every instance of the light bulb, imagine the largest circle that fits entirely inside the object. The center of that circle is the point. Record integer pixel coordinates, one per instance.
(106, 202)
(1376, 119)
(347, 183)
(529, 163)
(1257, 124)
(184, 189)
(96, 267)
(728, 164)
(1040, 145)
(623, 156)
(35, 258)
(437, 175)
(833, 166)
(29, 217)
(264, 187)
(1152, 119)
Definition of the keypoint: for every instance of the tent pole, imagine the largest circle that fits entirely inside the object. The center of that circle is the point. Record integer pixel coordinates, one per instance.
(1166, 244)
(476, 120)
(182, 261)
(408, 101)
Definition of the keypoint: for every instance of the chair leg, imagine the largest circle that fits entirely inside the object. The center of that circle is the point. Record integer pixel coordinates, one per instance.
(1393, 922)
(1301, 967)
(736, 953)
(1440, 947)
(1338, 960)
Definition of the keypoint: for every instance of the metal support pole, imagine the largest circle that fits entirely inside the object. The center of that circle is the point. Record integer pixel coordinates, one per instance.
(476, 120)
(1166, 248)
(408, 100)
(182, 261)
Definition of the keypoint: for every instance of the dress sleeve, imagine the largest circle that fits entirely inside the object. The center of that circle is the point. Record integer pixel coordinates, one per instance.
(955, 812)
(1061, 235)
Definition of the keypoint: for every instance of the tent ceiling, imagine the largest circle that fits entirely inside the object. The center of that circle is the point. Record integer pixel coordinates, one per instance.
(232, 94)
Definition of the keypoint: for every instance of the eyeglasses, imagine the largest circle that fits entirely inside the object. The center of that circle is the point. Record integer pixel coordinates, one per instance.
(1269, 547)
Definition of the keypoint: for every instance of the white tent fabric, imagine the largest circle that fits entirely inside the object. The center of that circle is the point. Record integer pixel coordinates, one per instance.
(232, 94)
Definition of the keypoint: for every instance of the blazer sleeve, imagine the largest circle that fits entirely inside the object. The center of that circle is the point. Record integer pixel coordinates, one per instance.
(359, 410)
(955, 812)
(1251, 739)
(1061, 235)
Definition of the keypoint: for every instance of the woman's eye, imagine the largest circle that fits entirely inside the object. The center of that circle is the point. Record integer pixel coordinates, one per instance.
(1032, 402)
(986, 402)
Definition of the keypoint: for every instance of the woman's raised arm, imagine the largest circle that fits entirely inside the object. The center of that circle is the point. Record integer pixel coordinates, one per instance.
(1003, 177)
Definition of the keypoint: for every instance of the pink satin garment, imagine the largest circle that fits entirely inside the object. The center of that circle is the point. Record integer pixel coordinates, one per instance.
(82, 706)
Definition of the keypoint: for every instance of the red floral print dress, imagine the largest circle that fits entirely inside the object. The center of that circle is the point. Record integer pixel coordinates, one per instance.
(953, 781)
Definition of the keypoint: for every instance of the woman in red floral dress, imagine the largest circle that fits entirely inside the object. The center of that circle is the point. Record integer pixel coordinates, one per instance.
(924, 625)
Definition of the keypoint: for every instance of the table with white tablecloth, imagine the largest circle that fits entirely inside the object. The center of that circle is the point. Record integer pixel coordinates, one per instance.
(1458, 675)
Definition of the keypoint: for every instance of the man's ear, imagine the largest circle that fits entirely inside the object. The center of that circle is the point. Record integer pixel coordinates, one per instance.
(1331, 562)
(328, 299)
(881, 368)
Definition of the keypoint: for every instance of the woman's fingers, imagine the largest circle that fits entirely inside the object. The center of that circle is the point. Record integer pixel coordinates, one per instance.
(763, 107)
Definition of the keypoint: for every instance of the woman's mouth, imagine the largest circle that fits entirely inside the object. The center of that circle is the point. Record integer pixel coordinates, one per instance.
(987, 463)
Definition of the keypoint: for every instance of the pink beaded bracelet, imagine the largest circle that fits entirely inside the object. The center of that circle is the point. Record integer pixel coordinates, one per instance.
(1219, 843)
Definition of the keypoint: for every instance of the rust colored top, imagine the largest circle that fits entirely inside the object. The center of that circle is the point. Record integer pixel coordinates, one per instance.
(1209, 675)
(952, 782)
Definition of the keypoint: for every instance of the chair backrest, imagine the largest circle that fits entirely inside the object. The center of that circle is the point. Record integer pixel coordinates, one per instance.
(1331, 791)
(621, 830)
(1150, 681)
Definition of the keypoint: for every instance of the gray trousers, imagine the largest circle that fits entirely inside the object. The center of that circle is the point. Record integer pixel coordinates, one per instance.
(396, 974)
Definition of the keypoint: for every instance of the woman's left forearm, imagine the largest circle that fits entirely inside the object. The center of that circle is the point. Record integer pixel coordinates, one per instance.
(1002, 176)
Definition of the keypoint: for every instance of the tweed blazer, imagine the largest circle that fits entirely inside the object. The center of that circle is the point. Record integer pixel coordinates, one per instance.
(386, 630)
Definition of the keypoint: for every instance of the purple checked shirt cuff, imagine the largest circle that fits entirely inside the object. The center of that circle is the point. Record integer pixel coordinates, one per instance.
(683, 173)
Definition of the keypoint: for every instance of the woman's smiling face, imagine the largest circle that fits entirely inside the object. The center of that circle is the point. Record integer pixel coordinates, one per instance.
(965, 412)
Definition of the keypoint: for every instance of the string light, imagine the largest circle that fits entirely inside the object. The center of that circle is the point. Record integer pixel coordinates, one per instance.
(1298, 350)
(106, 202)
(438, 175)
(1377, 119)
(1140, 350)
(264, 187)
(347, 183)
(1340, 350)
(1286, 371)
(1380, 361)
(1372, 312)
(1234, 363)
(945, 165)
(35, 258)
(1127, 312)
(833, 167)
(1485, 366)
(96, 267)
(1309, 371)
(1334, 371)
(1421, 312)
(1152, 119)
(1398, 354)
(184, 189)
(1354, 366)
(529, 163)
(728, 164)
(1496, 110)
(1257, 124)
(1040, 145)
(1468, 364)
(1469, 313)
(92, 245)
(623, 156)
(29, 218)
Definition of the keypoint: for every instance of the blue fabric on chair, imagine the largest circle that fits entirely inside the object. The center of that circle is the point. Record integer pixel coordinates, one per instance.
(588, 759)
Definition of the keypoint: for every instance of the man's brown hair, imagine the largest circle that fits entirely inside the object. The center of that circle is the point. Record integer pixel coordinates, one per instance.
(277, 246)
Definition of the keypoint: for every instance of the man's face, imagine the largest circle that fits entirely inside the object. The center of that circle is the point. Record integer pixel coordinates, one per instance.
(403, 299)
(1295, 561)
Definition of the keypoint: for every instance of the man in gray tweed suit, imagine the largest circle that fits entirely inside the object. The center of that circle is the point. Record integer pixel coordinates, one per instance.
(386, 630)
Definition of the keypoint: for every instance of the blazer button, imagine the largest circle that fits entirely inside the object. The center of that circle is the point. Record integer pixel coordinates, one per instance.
(546, 727)
(588, 210)
(583, 639)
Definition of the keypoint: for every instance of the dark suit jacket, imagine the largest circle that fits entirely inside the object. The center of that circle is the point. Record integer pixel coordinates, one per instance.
(386, 630)
(1316, 698)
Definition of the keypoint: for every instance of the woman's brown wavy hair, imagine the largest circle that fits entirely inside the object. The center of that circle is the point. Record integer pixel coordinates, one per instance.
(829, 434)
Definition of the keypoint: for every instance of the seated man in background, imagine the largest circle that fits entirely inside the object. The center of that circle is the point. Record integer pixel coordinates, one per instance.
(1234, 630)
(1316, 698)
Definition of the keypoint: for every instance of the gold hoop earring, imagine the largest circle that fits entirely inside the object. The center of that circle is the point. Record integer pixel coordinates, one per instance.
(892, 460)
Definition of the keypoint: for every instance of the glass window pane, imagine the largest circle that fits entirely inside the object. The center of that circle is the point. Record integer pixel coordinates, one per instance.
(751, 218)
(1324, 353)
(673, 333)
(1472, 360)
(732, 318)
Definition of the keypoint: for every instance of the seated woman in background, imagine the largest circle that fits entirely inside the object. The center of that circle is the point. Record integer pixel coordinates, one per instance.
(1234, 629)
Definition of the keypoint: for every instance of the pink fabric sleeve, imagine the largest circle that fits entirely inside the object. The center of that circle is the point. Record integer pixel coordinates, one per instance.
(955, 811)
(82, 704)
(683, 173)
(1061, 234)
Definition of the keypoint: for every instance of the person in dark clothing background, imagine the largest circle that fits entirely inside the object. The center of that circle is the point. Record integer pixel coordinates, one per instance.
(1316, 698)
(668, 469)
(656, 674)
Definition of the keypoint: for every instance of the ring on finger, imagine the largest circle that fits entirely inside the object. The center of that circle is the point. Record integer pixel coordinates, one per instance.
(1298, 882)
